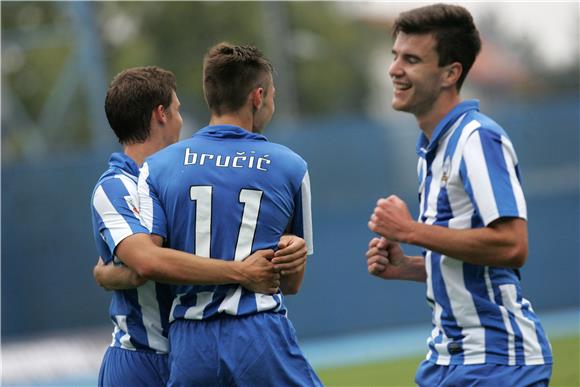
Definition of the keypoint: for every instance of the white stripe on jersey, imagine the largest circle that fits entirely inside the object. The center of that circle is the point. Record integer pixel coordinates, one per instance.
(442, 348)
(422, 173)
(532, 347)
(145, 201)
(194, 312)
(488, 285)
(114, 222)
(146, 295)
(231, 301)
(464, 310)
(176, 302)
(122, 327)
(307, 213)
(459, 201)
(478, 175)
(265, 302)
(129, 183)
(510, 154)
(436, 173)
(505, 318)
(429, 280)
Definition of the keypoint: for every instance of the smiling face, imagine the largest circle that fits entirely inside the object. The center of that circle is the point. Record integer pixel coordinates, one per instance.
(415, 73)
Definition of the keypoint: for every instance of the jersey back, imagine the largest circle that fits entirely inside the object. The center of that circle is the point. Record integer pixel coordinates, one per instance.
(226, 193)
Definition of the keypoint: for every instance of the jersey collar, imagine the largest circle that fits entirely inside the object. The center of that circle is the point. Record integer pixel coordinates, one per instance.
(229, 132)
(124, 163)
(425, 146)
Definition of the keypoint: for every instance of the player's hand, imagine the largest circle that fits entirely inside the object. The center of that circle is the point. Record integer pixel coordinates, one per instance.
(385, 258)
(113, 277)
(260, 274)
(392, 220)
(290, 257)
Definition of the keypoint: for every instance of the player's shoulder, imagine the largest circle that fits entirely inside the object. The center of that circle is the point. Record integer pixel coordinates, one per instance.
(164, 159)
(476, 121)
(113, 180)
(283, 151)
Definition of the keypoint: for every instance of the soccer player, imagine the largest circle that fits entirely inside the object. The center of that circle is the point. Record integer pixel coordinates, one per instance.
(143, 109)
(472, 223)
(227, 192)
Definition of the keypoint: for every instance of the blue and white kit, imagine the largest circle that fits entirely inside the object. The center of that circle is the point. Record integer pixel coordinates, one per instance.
(468, 178)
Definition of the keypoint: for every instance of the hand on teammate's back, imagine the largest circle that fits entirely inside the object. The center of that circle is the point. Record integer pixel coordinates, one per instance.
(261, 276)
(290, 257)
(116, 277)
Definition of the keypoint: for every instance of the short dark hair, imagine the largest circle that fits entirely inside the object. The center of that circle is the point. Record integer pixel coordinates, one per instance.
(230, 73)
(132, 96)
(453, 29)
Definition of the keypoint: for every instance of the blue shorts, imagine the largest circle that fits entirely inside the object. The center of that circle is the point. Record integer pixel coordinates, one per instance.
(123, 367)
(255, 350)
(492, 375)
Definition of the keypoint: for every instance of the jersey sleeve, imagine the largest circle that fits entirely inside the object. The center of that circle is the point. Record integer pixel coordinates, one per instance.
(152, 213)
(490, 175)
(115, 211)
(302, 220)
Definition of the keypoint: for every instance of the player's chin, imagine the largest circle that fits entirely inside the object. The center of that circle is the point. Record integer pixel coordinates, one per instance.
(399, 105)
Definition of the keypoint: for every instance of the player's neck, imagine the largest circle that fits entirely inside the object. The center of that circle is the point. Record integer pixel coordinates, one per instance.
(139, 152)
(240, 119)
(429, 120)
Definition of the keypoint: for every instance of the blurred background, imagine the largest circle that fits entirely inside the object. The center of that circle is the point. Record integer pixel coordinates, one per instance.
(333, 108)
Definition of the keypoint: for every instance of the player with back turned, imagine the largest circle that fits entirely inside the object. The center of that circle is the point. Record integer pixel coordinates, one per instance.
(227, 192)
(143, 110)
(472, 224)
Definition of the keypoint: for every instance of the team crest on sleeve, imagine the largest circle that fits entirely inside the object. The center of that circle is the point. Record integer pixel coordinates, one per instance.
(132, 206)
(446, 171)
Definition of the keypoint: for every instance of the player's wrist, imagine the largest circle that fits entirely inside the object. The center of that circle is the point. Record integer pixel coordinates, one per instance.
(411, 236)
(238, 272)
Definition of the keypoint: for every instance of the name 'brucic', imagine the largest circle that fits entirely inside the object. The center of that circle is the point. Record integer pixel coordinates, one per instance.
(240, 160)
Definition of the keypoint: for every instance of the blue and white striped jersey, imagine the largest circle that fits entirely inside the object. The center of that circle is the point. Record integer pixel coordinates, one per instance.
(226, 193)
(469, 177)
(140, 315)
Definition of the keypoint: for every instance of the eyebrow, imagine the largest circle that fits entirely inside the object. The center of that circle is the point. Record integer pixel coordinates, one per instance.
(406, 55)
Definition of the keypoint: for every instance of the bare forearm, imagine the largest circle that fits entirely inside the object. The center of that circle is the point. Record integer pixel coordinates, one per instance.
(491, 246)
(173, 266)
(413, 269)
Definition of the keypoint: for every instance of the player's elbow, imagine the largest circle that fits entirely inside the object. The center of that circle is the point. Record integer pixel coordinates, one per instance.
(512, 241)
(516, 255)
(146, 268)
(99, 277)
(142, 262)
(139, 255)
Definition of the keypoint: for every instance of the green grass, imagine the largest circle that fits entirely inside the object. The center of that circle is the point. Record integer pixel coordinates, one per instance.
(401, 372)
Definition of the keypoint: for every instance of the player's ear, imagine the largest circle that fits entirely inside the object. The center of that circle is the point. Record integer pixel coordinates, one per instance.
(159, 114)
(257, 97)
(451, 74)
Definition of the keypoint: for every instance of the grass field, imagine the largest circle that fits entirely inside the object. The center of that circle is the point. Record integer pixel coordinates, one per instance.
(402, 372)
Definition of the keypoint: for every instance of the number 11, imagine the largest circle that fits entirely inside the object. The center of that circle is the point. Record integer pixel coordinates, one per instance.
(251, 199)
